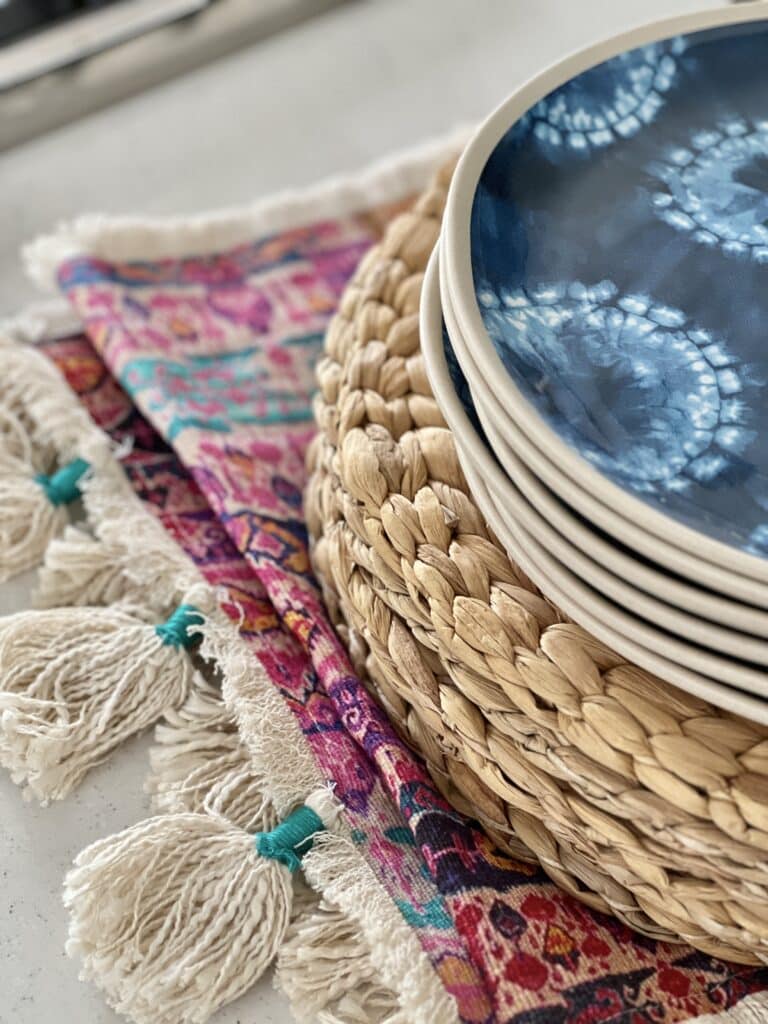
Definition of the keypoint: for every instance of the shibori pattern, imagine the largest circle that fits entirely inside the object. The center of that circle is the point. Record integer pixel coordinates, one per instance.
(505, 942)
(612, 102)
(618, 258)
(682, 391)
(713, 186)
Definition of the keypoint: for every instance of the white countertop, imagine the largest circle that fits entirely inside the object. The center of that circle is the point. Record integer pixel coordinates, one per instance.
(325, 97)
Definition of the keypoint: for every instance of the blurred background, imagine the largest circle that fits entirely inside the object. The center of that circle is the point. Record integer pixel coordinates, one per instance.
(175, 106)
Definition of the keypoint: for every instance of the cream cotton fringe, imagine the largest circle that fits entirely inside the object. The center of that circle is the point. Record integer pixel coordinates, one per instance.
(179, 914)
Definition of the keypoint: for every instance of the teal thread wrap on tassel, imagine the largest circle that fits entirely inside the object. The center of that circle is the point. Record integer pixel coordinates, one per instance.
(291, 839)
(174, 632)
(63, 486)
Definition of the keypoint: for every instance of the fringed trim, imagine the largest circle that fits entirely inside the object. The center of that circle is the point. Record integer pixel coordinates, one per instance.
(199, 763)
(278, 751)
(181, 913)
(325, 969)
(76, 681)
(334, 867)
(129, 238)
(78, 569)
(324, 964)
(56, 424)
(42, 321)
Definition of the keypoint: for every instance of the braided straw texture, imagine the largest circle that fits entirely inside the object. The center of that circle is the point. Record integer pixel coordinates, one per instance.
(640, 800)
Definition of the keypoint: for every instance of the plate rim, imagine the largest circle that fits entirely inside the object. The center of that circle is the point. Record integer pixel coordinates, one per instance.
(672, 645)
(721, 695)
(564, 520)
(662, 607)
(728, 698)
(723, 580)
(624, 573)
(456, 267)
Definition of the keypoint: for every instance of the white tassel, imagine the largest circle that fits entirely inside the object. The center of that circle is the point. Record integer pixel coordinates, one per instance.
(76, 682)
(33, 509)
(181, 914)
(78, 569)
(15, 437)
(325, 969)
(200, 764)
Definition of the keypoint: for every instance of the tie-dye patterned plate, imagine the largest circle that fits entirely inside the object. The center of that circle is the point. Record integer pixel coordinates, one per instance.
(650, 562)
(606, 253)
(609, 567)
(650, 646)
(741, 610)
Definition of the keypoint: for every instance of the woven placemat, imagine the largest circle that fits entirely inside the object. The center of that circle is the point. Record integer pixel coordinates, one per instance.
(639, 799)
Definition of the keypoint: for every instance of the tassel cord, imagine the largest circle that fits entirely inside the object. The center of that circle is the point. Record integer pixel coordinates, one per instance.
(292, 838)
(63, 486)
(177, 630)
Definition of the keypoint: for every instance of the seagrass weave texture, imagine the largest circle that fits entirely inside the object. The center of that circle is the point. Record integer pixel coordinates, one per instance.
(640, 800)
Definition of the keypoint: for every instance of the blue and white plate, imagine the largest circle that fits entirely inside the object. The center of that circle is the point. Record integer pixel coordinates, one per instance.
(650, 564)
(606, 252)
(730, 683)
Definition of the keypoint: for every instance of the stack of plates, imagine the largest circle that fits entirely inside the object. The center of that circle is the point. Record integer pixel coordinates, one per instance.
(595, 325)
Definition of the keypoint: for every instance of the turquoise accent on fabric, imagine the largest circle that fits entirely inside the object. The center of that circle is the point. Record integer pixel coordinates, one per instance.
(400, 835)
(63, 486)
(291, 839)
(219, 425)
(434, 914)
(313, 340)
(203, 387)
(174, 632)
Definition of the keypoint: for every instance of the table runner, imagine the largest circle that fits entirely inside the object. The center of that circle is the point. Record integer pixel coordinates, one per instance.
(211, 330)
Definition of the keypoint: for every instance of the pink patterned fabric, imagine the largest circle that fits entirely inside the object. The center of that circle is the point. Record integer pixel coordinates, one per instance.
(217, 352)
